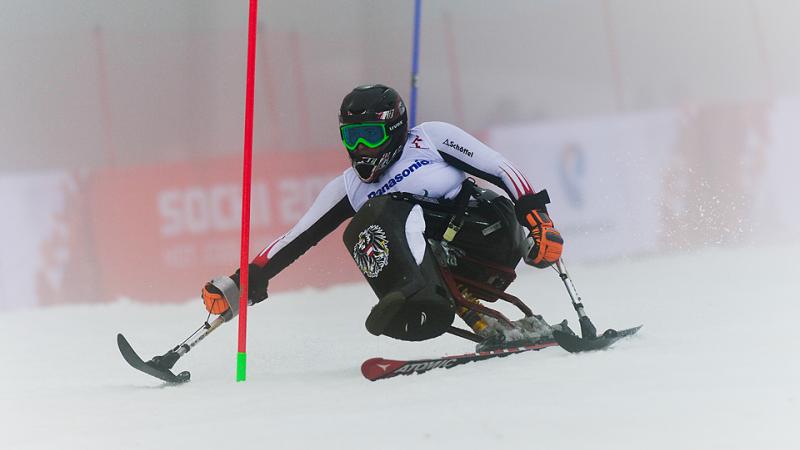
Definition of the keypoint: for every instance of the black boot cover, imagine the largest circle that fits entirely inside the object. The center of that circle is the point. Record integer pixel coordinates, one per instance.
(414, 303)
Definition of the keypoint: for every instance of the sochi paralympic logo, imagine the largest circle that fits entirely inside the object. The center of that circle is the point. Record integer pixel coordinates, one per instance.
(371, 252)
(398, 178)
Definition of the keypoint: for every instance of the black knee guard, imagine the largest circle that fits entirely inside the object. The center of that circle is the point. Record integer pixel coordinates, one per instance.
(413, 302)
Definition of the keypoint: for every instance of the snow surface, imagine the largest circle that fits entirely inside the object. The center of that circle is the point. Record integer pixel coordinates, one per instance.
(715, 367)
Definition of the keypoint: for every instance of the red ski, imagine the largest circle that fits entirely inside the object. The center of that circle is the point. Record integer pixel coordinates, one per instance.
(380, 368)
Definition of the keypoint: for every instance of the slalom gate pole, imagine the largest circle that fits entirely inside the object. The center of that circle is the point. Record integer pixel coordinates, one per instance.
(241, 356)
(415, 64)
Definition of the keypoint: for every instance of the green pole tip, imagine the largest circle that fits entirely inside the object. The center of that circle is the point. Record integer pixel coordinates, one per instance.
(241, 366)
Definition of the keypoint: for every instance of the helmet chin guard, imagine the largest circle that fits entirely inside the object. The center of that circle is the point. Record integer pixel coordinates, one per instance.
(369, 169)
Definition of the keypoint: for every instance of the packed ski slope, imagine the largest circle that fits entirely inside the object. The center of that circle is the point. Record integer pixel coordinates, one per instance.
(715, 367)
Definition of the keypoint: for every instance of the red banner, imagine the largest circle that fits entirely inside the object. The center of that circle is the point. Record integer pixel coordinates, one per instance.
(162, 231)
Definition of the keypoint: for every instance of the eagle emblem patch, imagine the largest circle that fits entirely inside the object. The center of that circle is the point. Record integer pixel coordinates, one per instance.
(371, 252)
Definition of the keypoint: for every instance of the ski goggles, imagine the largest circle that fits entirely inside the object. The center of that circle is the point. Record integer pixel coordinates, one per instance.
(372, 135)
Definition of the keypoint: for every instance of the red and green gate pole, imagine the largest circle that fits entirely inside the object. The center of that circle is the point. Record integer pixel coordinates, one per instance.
(241, 356)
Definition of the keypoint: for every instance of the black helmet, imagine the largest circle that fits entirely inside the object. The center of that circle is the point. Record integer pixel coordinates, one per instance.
(374, 127)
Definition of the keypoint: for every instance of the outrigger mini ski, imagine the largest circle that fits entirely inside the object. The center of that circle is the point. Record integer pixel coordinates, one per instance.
(589, 339)
(161, 366)
(153, 367)
(574, 344)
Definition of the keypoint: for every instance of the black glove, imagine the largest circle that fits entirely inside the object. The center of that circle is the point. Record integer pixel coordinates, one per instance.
(257, 283)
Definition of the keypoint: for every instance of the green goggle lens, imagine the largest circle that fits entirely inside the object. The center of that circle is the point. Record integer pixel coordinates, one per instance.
(372, 135)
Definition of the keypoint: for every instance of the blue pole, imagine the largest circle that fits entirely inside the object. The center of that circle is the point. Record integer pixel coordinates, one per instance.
(415, 64)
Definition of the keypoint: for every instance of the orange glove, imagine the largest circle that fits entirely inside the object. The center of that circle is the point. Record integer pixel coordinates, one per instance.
(215, 302)
(547, 243)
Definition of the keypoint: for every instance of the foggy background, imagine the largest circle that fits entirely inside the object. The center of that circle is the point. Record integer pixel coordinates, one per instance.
(656, 126)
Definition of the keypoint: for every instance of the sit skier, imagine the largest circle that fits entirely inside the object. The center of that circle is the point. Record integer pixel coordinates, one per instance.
(428, 240)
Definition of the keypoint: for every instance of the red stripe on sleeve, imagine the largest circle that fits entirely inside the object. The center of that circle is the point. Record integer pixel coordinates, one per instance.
(519, 193)
(523, 181)
(263, 258)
